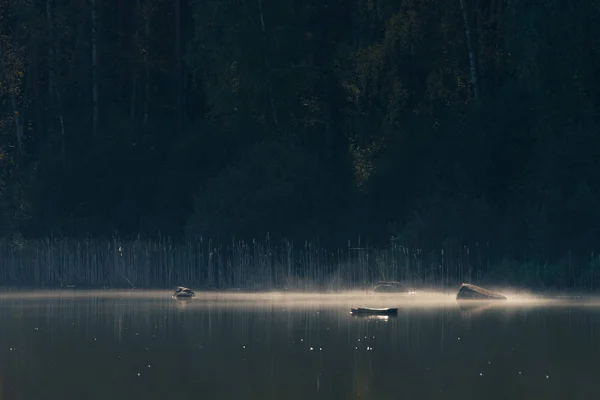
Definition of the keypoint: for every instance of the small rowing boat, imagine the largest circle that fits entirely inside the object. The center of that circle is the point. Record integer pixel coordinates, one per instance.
(373, 311)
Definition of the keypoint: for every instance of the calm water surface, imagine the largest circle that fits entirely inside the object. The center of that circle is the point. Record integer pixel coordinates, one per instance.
(129, 345)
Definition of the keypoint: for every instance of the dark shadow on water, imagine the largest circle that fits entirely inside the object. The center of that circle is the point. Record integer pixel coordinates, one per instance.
(294, 346)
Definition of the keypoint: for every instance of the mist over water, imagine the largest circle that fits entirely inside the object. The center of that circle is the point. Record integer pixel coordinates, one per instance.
(119, 344)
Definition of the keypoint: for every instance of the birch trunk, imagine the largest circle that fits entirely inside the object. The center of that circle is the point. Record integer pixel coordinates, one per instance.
(15, 109)
(51, 63)
(19, 130)
(146, 65)
(471, 50)
(134, 73)
(177, 74)
(94, 72)
(267, 65)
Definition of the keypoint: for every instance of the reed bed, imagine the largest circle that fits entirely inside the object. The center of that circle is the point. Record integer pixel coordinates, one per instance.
(264, 265)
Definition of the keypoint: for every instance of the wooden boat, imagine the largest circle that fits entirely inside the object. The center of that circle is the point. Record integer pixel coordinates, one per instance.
(373, 311)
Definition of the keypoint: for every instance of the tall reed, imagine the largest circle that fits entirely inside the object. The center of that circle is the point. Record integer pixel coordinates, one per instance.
(264, 265)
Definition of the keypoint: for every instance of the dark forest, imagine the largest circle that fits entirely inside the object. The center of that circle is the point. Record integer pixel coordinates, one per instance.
(464, 130)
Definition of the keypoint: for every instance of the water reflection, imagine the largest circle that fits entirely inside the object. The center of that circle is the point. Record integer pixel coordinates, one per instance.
(293, 347)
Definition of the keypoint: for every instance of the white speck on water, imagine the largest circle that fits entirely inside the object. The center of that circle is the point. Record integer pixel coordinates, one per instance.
(302, 340)
(137, 334)
(146, 348)
(11, 349)
(320, 349)
(356, 348)
(139, 374)
(243, 347)
(520, 373)
(458, 338)
(311, 349)
(547, 377)
(148, 365)
(359, 339)
(489, 362)
(36, 329)
(95, 339)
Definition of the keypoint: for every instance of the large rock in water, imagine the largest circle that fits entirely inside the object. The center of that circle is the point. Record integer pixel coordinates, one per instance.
(182, 293)
(390, 287)
(472, 292)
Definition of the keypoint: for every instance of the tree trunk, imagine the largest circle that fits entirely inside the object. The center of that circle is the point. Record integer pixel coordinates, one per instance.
(146, 66)
(471, 50)
(19, 130)
(61, 120)
(267, 65)
(177, 69)
(51, 63)
(94, 73)
(134, 72)
(15, 111)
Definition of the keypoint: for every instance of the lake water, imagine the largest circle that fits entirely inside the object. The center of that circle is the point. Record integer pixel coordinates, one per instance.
(130, 345)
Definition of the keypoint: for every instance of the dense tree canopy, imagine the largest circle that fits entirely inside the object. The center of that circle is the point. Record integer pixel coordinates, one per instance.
(463, 121)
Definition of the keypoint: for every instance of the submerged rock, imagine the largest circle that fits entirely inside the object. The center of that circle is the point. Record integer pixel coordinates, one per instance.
(472, 292)
(470, 309)
(183, 293)
(390, 287)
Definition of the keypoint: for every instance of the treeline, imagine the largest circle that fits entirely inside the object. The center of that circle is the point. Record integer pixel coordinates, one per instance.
(440, 123)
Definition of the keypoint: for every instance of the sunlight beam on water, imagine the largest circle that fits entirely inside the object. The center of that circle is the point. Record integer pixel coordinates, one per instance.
(415, 299)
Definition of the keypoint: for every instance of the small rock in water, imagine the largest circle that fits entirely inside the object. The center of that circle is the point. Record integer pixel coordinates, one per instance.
(183, 293)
